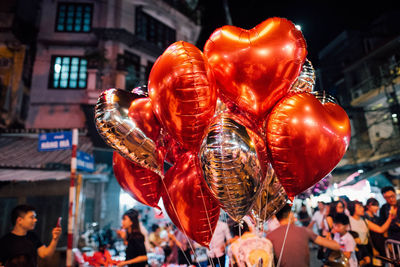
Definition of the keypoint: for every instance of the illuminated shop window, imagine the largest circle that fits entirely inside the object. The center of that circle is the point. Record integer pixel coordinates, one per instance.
(68, 72)
(74, 17)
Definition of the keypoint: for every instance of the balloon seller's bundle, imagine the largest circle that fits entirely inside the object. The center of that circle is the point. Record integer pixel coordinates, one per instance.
(239, 123)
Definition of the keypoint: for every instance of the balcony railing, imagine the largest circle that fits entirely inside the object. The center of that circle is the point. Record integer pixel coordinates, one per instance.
(129, 39)
(371, 86)
(364, 87)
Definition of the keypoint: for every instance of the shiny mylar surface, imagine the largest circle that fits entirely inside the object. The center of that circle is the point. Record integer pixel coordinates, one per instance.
(183, 93)
(307, 139)
(231, 167)
(271, 198)
(142, 184)
(255, 68)
(306, 80)
(188, 202)
(124, 133)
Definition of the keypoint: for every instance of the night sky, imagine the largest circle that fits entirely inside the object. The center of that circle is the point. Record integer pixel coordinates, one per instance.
(321, 21)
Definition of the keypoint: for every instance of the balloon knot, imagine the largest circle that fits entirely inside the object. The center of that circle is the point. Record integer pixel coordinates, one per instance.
(159, 210)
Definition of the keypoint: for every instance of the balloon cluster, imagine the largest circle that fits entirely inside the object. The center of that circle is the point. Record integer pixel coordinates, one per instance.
(239, 124)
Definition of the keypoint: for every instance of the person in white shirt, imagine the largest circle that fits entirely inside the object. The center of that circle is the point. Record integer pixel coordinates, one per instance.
(362, 226)
(344, 238)
(220, 239)
(250, 249)
(272, 224)
(318, 217)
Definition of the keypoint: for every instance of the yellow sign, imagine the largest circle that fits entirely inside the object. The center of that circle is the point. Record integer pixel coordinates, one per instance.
(11, 66)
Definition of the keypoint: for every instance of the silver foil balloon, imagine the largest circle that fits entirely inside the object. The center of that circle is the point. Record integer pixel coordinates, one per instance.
(230, 165)
(306, 79)
(121, 132)
(323, 97)
(271, 198)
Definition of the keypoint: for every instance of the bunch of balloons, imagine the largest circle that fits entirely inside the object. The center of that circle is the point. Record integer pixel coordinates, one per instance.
(239, 124)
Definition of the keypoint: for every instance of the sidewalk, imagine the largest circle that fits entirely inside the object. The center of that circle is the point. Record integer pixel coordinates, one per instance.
(314, 262)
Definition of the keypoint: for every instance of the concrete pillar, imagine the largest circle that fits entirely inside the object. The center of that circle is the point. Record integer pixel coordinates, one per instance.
(92, 79)
(120, 79)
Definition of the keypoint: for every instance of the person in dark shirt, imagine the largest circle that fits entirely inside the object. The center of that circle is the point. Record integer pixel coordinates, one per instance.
(303, 216)
(21, 246)
(389, 194)
(378, 240)
(134, 240)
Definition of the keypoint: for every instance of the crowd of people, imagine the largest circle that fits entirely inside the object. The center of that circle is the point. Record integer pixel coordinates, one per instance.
(344, 232)
(366, 230)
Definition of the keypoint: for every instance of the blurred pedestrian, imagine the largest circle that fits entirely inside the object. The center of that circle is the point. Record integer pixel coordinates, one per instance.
(345, 200)
(336, 207)
(295, 248)
(154, 237)
(220, 239)
(272, 224)
(251, 250)
(135, 253)
(344, 238)
(392, 205)
(102, 257)
(171, 257)
(318, 217)
(186, 247)
(377, 239)
(304, 217)
(21, 246)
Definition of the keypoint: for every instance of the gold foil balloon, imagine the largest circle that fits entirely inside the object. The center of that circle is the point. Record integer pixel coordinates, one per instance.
(123, 132)
(231, 167)
(306, 80)
(271, 198)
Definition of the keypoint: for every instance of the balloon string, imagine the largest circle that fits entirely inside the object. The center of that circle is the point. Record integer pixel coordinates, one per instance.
(209, 225)
(284, 239)
(266, 200)
(183, 230)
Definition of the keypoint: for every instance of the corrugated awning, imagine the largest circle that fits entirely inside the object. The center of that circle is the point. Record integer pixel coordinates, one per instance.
(20, 160)
(21, 151)
(32, 175)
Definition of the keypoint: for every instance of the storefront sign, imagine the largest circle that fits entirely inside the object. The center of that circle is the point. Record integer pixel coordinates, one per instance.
(55, 141)
(85, 161)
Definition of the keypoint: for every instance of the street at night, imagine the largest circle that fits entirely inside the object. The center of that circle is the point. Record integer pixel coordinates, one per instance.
(167, 133)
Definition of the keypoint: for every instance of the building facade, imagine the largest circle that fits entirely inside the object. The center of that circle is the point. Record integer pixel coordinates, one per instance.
(85, 47)
(362, 70)
(56, 57)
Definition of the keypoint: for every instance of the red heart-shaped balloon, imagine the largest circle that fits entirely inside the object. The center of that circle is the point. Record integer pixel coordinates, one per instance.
(183, 93)
(141, 112)
(306, 140)
(142, 184)
(255, 68)
(187, 200)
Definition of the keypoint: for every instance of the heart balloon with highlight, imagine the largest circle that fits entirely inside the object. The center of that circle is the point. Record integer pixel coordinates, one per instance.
(126, 122)
(142, 184)
(183, 93)
(270, 200)
(188, 202)
(255, 68)
(231, 166)
(307, 136)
